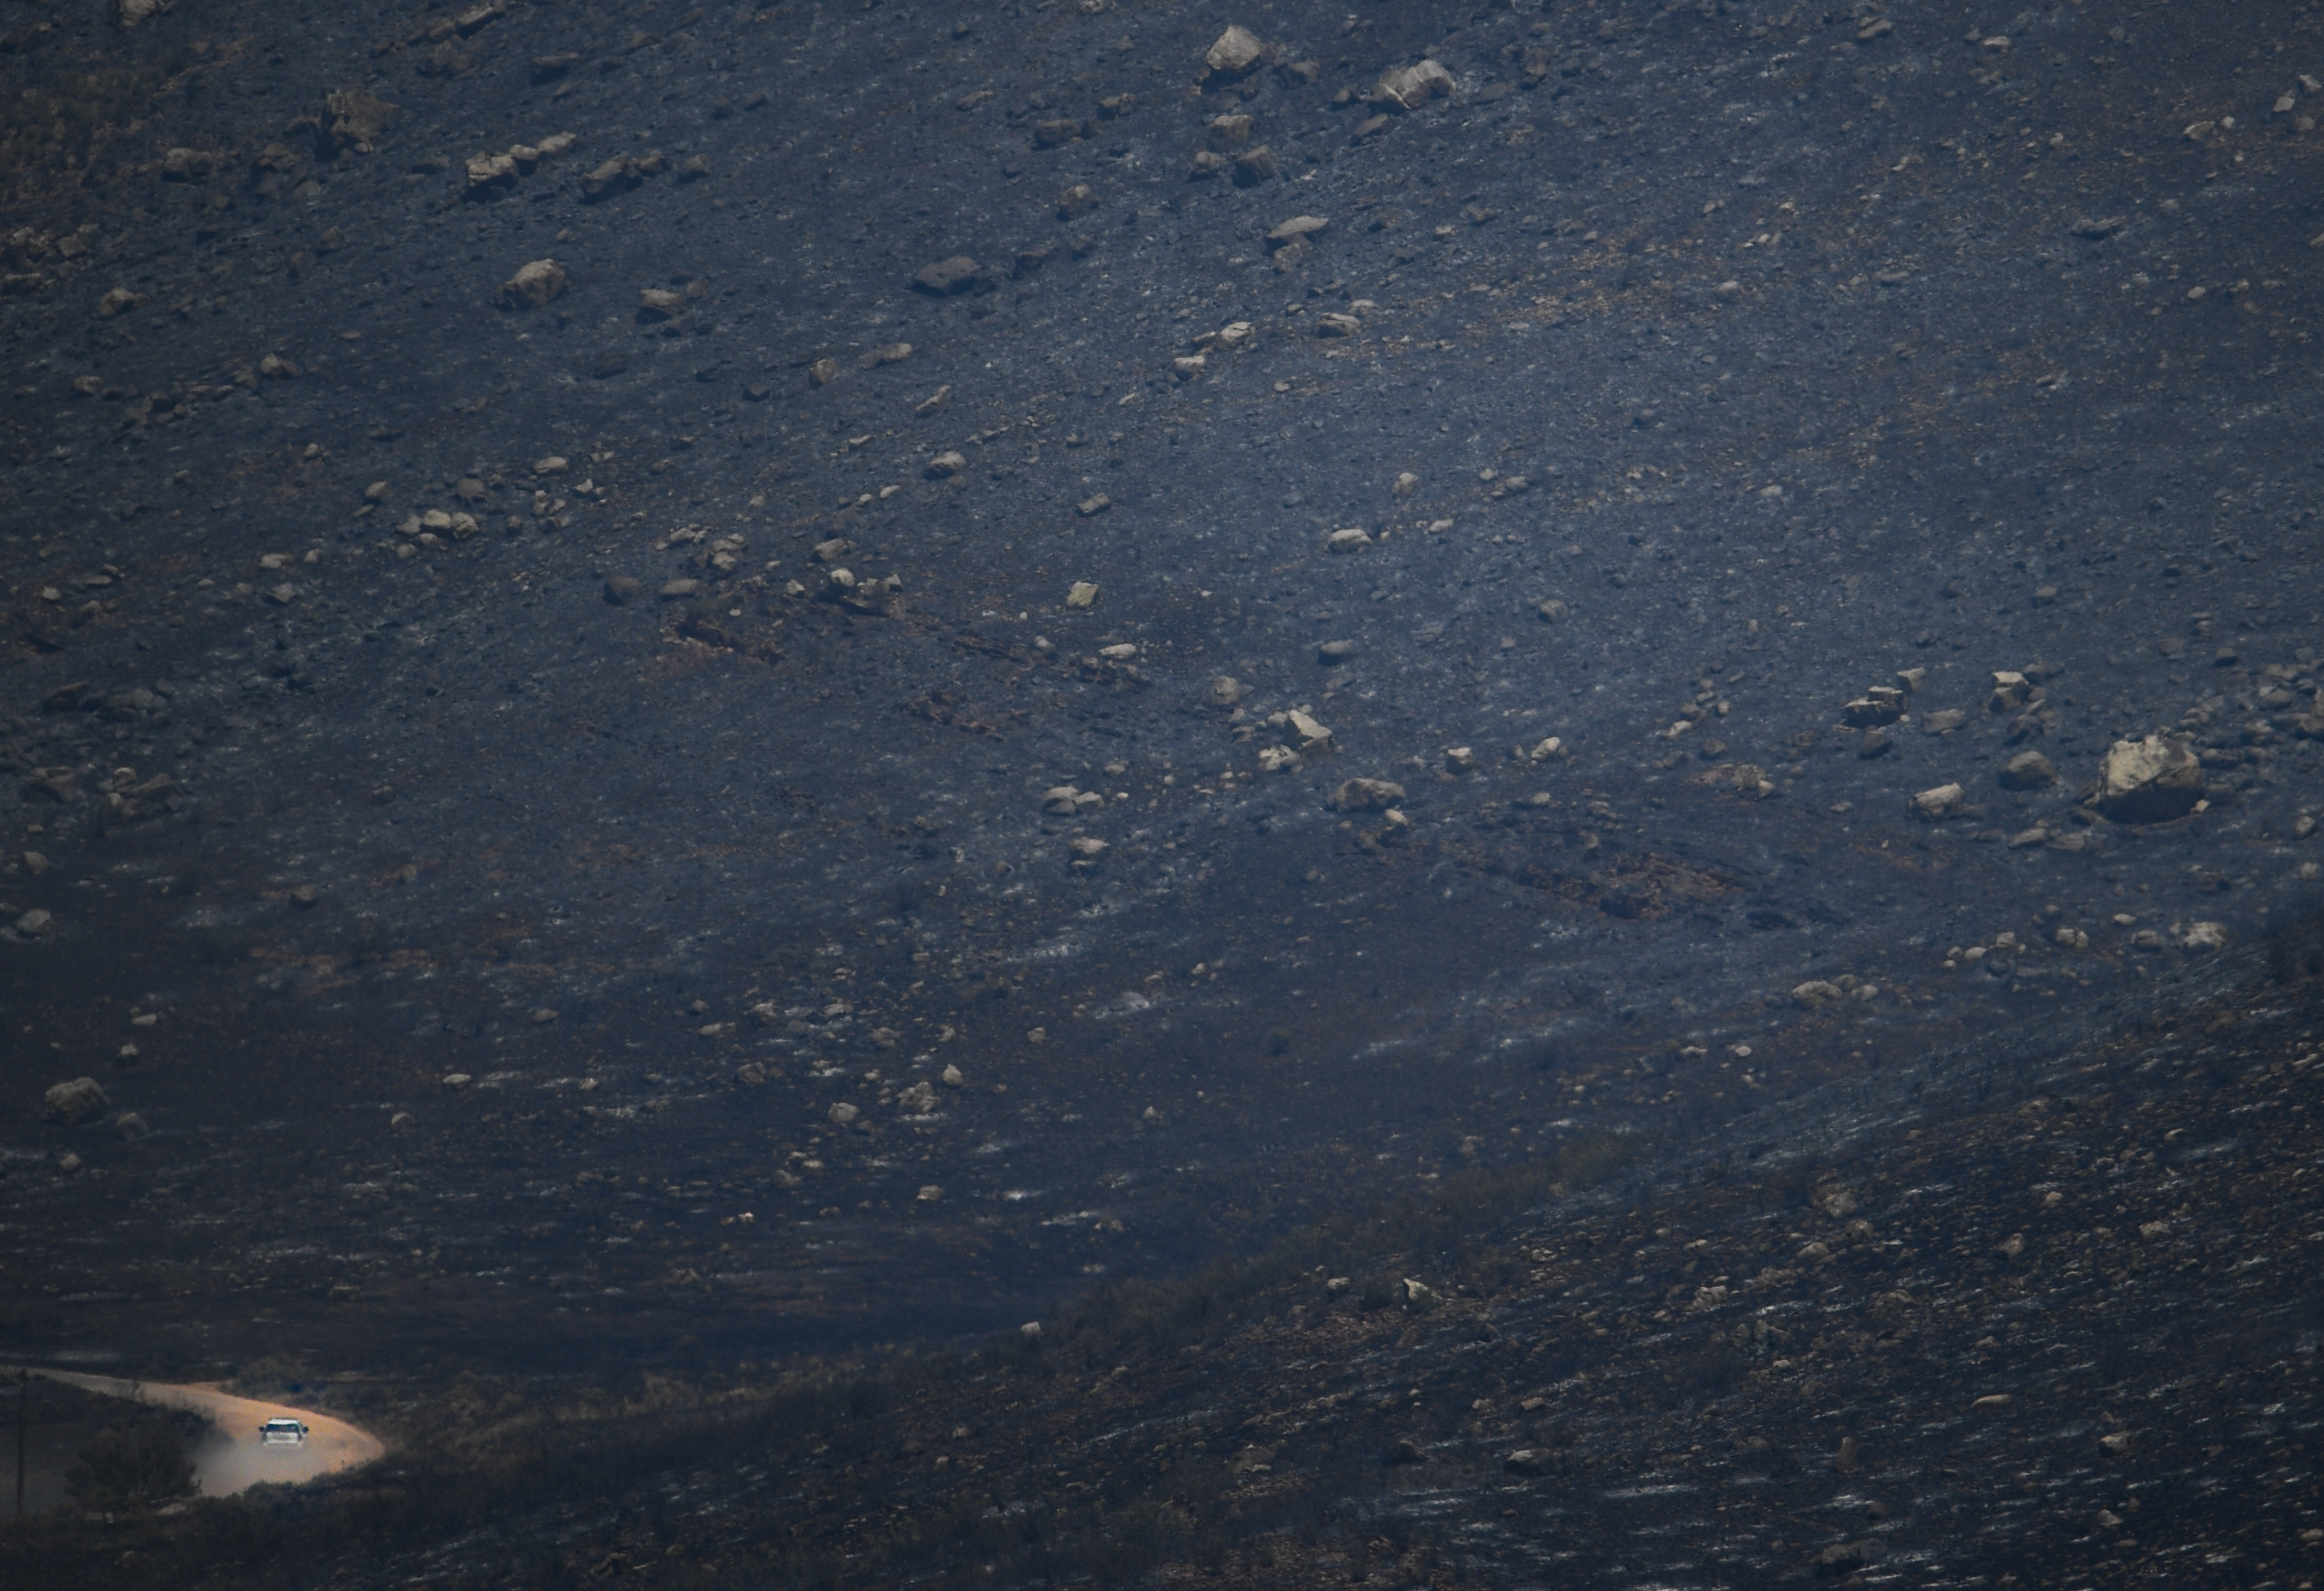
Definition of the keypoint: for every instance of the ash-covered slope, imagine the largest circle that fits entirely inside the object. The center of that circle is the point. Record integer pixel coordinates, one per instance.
(429, 664)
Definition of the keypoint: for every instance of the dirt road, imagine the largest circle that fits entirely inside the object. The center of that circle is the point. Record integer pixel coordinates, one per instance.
(230, 1459)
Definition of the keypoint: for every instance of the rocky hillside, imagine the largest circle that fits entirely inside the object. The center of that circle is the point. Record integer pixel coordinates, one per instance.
(693, 684)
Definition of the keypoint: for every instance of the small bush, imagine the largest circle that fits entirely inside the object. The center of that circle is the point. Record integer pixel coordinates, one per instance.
(141, 1467)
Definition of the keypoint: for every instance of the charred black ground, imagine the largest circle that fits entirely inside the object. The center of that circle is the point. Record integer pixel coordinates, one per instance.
(691, 685)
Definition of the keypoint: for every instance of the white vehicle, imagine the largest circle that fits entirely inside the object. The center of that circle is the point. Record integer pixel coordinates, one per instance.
(281, 1433)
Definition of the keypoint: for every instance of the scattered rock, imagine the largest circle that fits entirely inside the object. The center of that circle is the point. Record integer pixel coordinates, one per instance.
(824, 371)
(2204, 936)
(1228, 133)
(1946, 800)
(83, 1099)
(954, 275)
(1254, 166)
(842, 1115)
(944, 464)
(1237, 53)
(1880, 705)
(353, 119)
(1296, 229)
(119, 301)
(32, 924)
(1410, 88)
(1227, 691)
(2149, 780)
(131, 1126)
(2029, 771)
(1334, 324)
(1527, 1461)
(1816, 994)
(1082, 594)
(1348, 541)
(1076, 201)
(1365, 795)
(1843, 1557)
(1088, 508)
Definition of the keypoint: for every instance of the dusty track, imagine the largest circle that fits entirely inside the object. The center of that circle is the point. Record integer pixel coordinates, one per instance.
(231, 1460)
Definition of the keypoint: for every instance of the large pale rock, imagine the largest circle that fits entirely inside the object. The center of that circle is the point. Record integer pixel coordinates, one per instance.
(1237, 53)
(1408, 88)
(2149, 780)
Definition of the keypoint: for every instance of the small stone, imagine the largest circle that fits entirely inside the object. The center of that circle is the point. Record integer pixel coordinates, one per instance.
(457, 1079)
(1082, 594)
(680, 588)
(2011, 690)
(954, 275)
(1991, 1403)
(1076, 201)
(1086, 846)
(2302, 828)
(945, 464)
(824, 371)
(1543, 750)
(32, 924)
(130, 1125)
(354, 119)
(1348, 541)
(1030, 1331)
(1295, 230)
(275, 367)
(1944, 722)
(69, 1104)
(534, 284)
(622, 588)
(1365, 795)
(1335, 652)
(658, 303)
(119, 301)
(1088, 508)
(1551, 611)
(1312, 734)
(1751, 781)
(1527, 1461)
(1254, 166)
(1946, 800)
(1228, 133)
(2029, 771)
(1237, 53)
(2204, 936)
(1227, 691)
(887, 353)
(1335, 324)
(1816, 994)
(1052, 134)
(842, 1115)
